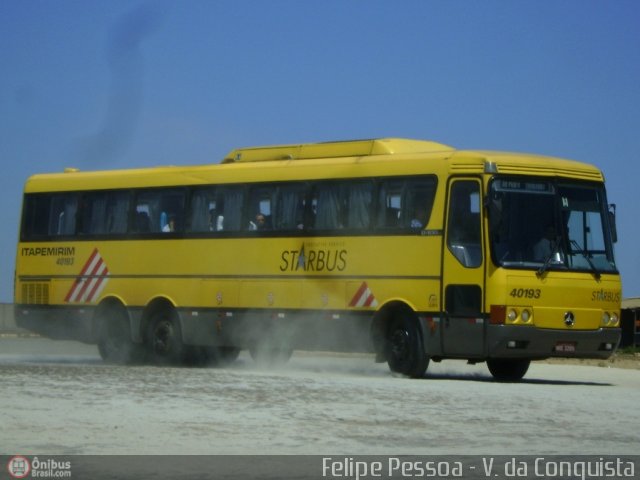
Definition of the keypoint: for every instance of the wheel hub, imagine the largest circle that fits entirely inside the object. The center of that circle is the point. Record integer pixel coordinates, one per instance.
(400, 343)
(162, 337)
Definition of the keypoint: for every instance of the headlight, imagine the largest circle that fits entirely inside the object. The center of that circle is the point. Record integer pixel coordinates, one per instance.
(606, 318)
(512, 315)
(526, 315)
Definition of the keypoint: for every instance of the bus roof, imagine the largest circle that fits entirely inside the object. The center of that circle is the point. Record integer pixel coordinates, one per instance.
(324, 160)
(528, 164)
(352, 148)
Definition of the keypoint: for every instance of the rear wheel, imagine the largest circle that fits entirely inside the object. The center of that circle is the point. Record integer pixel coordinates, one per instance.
(164, 338)
(405, 350)
(114, 342)
(508, 369)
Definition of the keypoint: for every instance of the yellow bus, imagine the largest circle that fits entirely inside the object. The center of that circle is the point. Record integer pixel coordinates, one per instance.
(410, 250)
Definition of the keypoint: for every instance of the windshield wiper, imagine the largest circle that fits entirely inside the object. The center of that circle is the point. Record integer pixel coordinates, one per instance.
(547, 261)
(579, 249)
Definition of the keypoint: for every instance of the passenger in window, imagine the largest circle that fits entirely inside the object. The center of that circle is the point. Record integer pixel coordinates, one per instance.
(164, 221)
(419, 219)
(259, 223)
(171, 224)
(216, 222)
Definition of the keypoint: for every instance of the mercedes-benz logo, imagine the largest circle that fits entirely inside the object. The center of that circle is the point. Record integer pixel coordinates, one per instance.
(569, 319)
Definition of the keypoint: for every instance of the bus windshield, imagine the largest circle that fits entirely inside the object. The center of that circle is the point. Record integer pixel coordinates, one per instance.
(547, 225)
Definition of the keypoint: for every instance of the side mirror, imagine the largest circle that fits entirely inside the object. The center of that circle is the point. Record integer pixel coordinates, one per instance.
(612, 222)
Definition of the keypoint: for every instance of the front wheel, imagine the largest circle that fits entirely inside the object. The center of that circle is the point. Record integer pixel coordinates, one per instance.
(405, 350)
(508, 369)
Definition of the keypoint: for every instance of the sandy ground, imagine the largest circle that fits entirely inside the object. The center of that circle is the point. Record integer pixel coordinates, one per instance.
(59, 398)
(617, 360)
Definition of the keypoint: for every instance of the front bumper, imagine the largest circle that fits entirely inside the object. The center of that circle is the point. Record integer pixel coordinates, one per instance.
(507, 341)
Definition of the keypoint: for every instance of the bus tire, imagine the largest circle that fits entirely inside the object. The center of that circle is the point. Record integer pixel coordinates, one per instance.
(404, 348)
(114, 342)
(508, 369)
(164, 338)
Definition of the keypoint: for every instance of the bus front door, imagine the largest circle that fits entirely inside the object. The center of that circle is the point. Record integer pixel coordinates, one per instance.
(463, 271)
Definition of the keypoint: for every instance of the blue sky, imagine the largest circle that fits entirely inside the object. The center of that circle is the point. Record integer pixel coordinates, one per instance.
(106, 84)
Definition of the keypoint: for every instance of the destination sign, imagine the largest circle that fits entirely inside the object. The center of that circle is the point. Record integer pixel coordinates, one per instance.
(523, 186)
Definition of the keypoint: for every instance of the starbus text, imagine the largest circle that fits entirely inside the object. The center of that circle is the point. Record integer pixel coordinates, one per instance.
(313, 260)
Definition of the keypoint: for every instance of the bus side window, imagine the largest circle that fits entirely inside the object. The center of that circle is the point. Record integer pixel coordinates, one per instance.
(229, 204)
(35, 219)
(104, 213)
(203, 211)
(117, 212)
(405, 203)
(62, 220)
(310, 209)
(147, 213)
(389, 204)
(359, 200)
(289, 206)
(160, 211)
(142, 222)
(329, 203)
(50, 215)
(417, 202)
(260, 207)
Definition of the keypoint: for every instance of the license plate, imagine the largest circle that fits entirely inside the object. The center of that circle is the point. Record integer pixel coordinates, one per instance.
(566, 347)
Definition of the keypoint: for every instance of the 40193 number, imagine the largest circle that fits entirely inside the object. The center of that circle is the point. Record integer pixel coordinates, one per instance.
(526, 293)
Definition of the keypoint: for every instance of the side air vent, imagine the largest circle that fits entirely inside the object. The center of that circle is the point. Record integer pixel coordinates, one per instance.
(35, 293)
